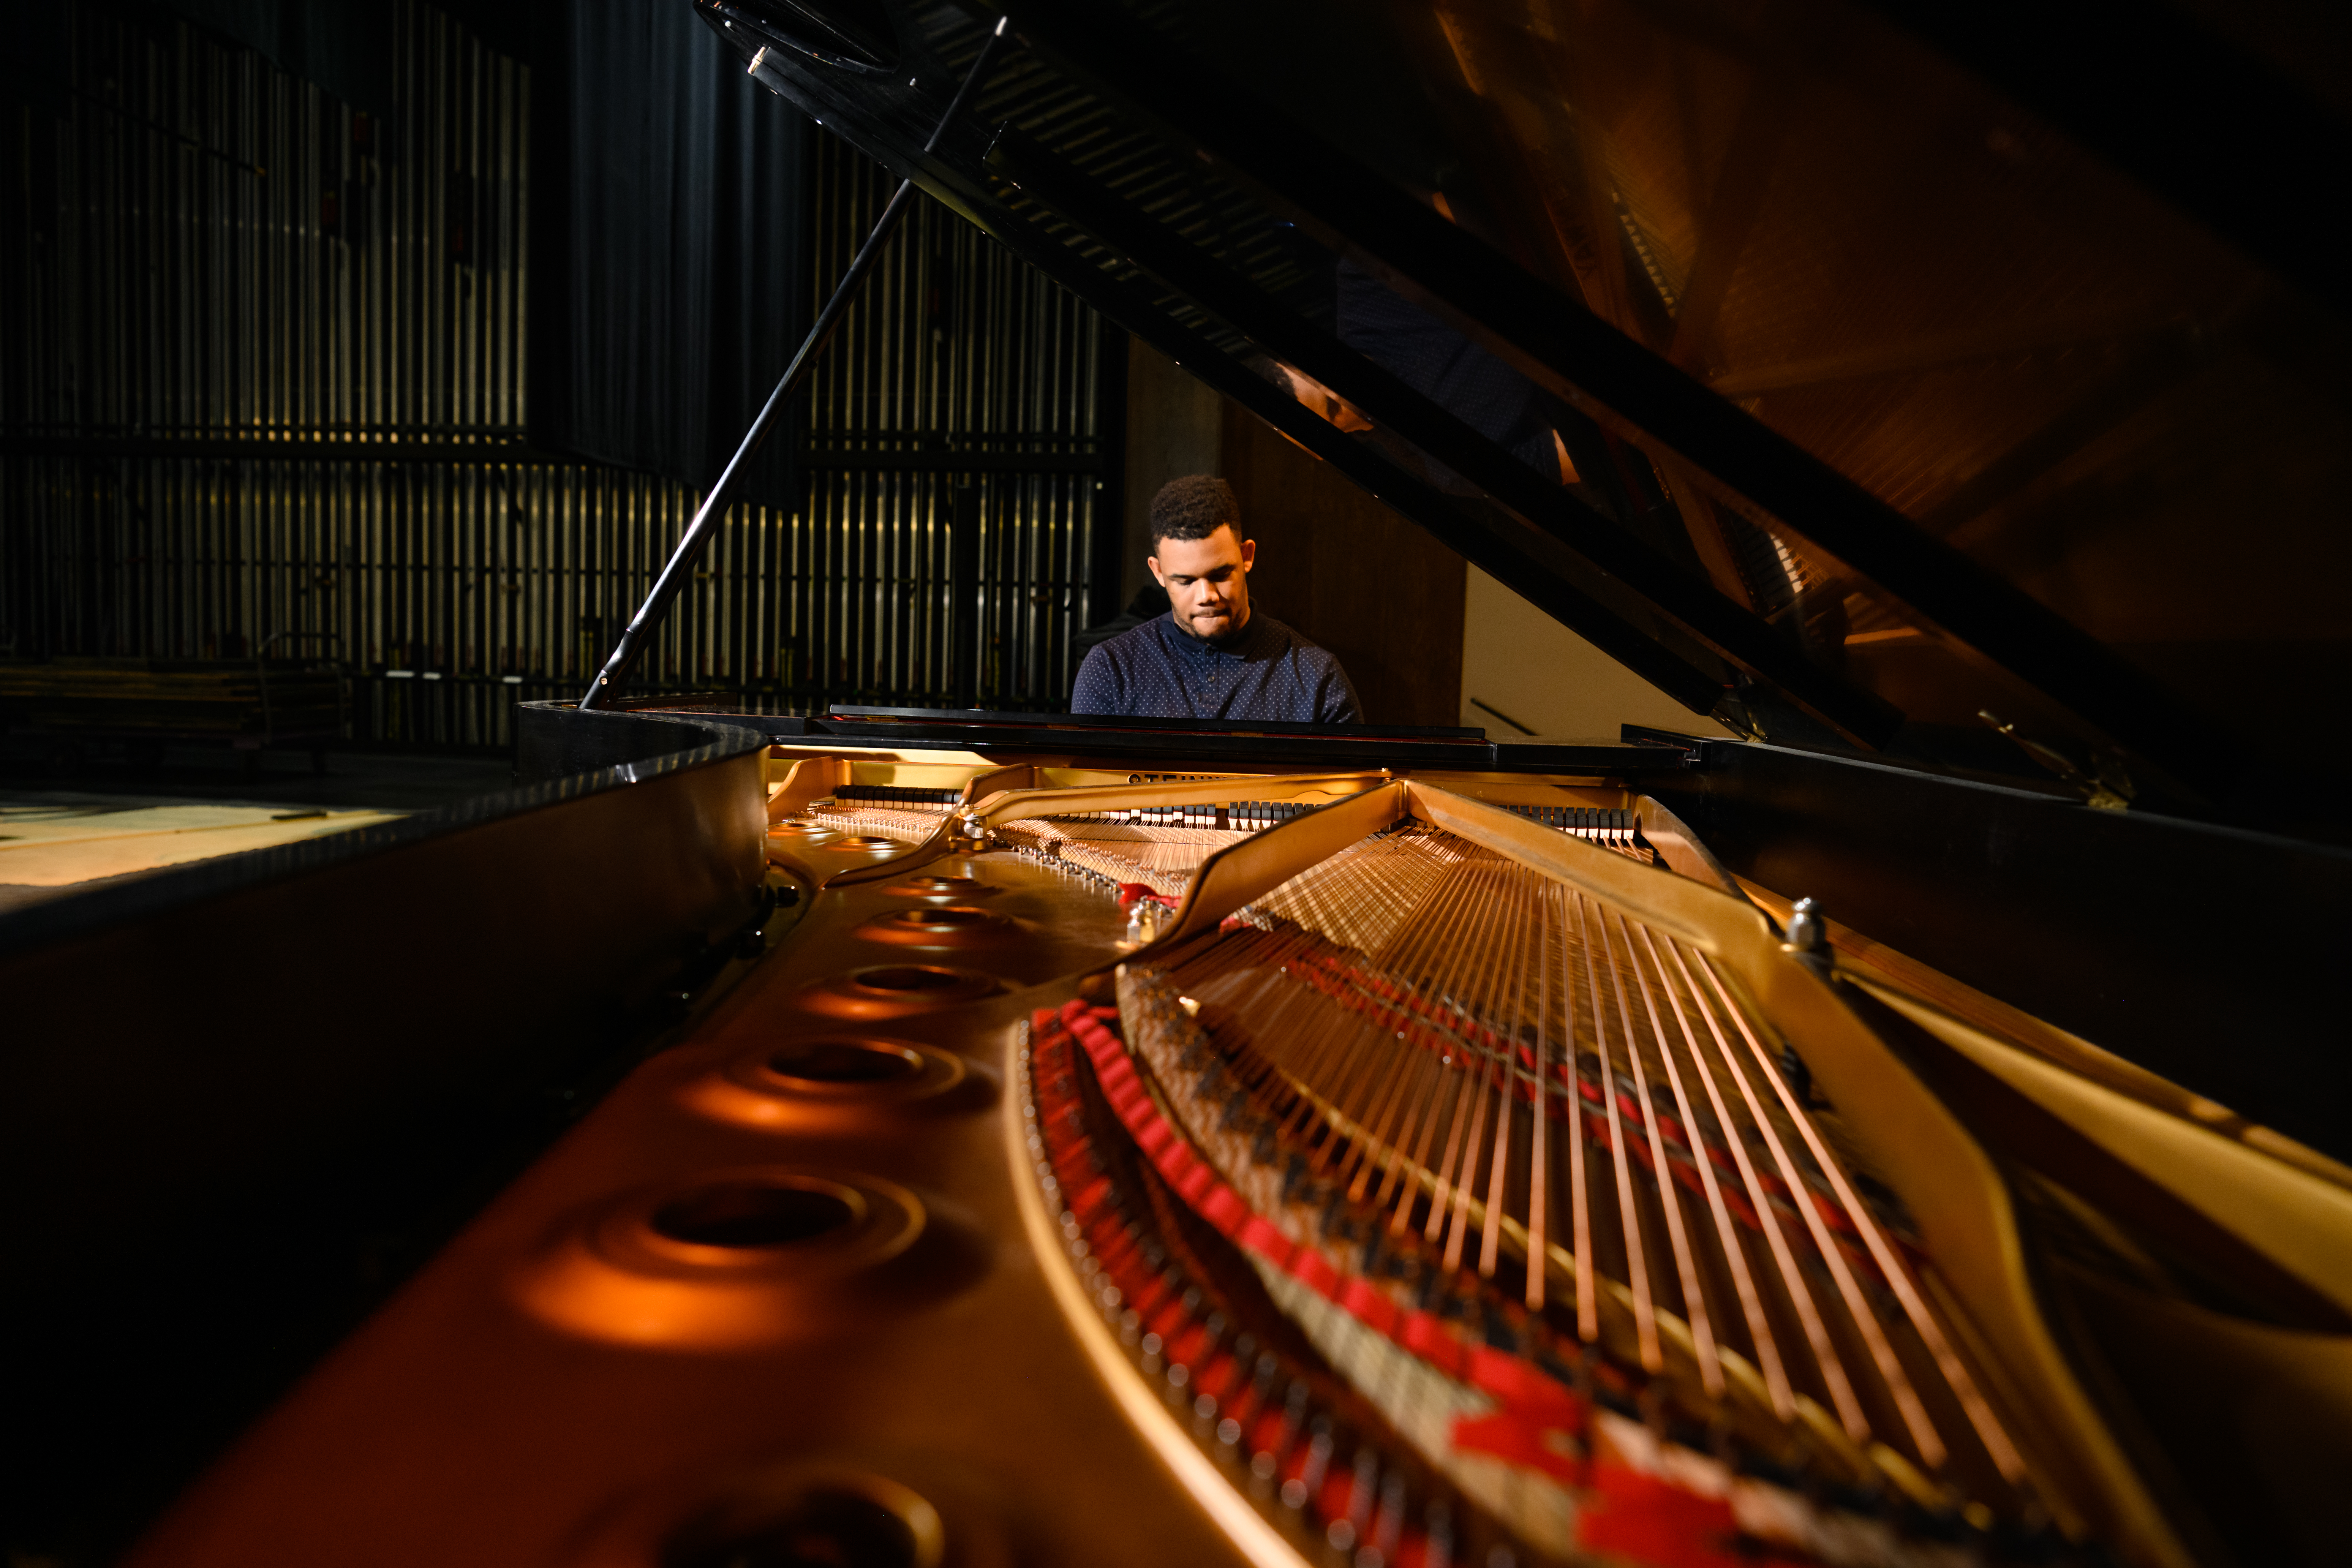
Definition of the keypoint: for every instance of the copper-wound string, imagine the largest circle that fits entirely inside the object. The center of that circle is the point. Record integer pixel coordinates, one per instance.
(1466, 1177)
(1539, 1145)
(1817, 1334)
(1588, 1303)
(1898, 1279)
(1491, 1065)
(1468, 1101)
(1669, 1190)
(1784, 1261)
(1356, 1072)
(1801, 1192)
(1319, 1052)
(1490, 1244)
(1432, 1094)
(1421, 1098)
(1408, 1033)
(1435, 989)
(1417, 1072)
(1306, 1053)
(1444, 1095)
(1646, 1320)
(1405, 963)
(1760, 1331)
(1445, 1110)
(1373, 1138)
(1422, 1106)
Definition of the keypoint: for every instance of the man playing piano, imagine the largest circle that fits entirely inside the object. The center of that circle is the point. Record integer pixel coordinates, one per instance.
(1211, 657)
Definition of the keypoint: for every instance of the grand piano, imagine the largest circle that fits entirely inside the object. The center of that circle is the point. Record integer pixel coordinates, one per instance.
(1910, 1132)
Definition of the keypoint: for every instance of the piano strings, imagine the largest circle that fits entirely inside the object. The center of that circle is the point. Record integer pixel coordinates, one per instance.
(1556, 1100)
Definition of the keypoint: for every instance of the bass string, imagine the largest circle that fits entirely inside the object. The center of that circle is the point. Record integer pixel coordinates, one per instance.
(1400, 1057)
(1328, 1044)
(1412, 1071)
(1490, 1244)
(1406, 1071)
(1463, 1136)
(1924, 1438)
(1435, 988)
(1307, 1055)
(1404, 874)
(1798, 1295)
(1775, 1364)
(1360, 1074)
(1255, 961)
(1768, 1351)
(1477, 941)
(1973, 1405)
(1588, 1305)
(1476, 1004)
(1645, 1319)
(1678, 1239)
(1538, 1128)
(1377, 883)
(1461, 963)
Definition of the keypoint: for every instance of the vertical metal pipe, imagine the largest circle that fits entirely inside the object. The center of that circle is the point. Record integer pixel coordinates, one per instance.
(964, 592)
(197, 290)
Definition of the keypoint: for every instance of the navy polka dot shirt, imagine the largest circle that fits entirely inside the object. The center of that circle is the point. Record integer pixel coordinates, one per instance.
(1269, 673)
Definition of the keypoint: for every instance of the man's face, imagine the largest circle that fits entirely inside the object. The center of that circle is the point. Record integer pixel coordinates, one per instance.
(1207, 582)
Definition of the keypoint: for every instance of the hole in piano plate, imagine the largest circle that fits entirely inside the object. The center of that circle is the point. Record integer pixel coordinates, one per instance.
(944, 915)
(830, 1529)
(846, 1062)
(938, 925)
(748, 1214)
(848, 1521)
(872, 843)
(730, 1259)
(818, 1079)
(942, 887)
(887, 990)
(901, 979)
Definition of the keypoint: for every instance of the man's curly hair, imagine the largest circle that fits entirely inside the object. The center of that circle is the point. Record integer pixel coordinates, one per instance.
(1193, 507)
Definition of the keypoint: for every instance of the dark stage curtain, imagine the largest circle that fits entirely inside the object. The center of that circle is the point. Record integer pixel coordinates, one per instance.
(344, 47)
(668, 268)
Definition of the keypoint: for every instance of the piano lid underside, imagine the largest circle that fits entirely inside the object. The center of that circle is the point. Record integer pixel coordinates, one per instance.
(1906, 408)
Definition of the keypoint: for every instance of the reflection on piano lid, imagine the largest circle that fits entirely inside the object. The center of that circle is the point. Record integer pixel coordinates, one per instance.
(1887, 405)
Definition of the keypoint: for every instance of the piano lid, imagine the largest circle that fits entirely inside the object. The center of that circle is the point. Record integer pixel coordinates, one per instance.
(1793, 362)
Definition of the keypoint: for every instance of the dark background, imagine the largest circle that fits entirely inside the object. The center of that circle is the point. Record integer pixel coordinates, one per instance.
(403, 338)
(400, 341)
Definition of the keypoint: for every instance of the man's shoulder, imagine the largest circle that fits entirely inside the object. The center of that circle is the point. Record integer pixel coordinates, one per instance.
(1134, 642)
(1319, 671)
(1284, 638)
(1112, 670)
